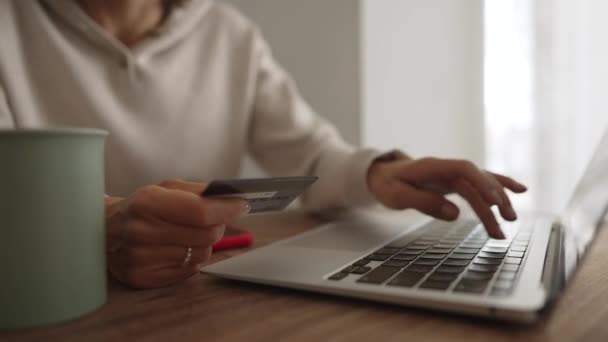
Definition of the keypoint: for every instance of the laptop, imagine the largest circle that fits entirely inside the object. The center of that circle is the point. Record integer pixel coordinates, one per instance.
(397, 258)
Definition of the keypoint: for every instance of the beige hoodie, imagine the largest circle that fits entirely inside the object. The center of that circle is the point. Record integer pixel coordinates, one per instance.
(188, 102)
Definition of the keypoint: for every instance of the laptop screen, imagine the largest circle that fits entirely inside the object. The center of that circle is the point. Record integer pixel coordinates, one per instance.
(587, 207)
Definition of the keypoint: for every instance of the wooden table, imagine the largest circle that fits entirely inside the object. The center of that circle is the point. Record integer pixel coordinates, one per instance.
(205, 308)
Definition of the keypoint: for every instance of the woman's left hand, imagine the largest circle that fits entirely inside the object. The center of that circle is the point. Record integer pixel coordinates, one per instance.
(422, 184)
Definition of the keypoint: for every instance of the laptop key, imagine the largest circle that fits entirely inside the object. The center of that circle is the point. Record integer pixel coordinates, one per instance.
(378, 275)
(443, 276)
(419, 268)
(418, 247)
(472, 275)
(516, 254)
(338, 276)
(435, 285)
(498, 243)
(378, 257)
(476, 240)
(509, 260)
(412, 251)
(403, 257)
(446, 245)
(427, 262)
(466, 250)
(362, 262)
(483, 268)
(362, 270)
(406, 279)
(421, 245)
(518, 248)
(387, 250)
(450, 241)
(462, 256)
(487, 261)
(439, 250)
(495, 249)
(396, 263)
(434, 256)
(456, 262)
(471, 245)
(349, 269)
(493, 255)
(449, 269)
(471, 286)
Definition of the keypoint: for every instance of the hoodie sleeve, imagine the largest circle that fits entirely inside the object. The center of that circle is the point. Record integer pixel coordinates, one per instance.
(288, 138)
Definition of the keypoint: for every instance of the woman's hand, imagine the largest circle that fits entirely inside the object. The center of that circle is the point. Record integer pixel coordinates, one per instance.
(422, 184)
(149, 234)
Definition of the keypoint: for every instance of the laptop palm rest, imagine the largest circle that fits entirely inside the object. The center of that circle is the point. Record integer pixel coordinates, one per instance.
(306, 257)
(351, 236)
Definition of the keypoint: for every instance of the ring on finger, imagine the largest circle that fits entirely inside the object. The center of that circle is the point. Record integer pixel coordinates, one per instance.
(187, 257)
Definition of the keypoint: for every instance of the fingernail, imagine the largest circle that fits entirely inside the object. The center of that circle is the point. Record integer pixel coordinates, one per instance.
(496, 197)
(449, 211)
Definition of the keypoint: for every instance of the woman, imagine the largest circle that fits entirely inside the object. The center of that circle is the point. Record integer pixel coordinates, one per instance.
(185, 89)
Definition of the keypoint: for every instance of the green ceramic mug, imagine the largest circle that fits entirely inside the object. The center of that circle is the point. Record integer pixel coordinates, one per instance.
(52, 258)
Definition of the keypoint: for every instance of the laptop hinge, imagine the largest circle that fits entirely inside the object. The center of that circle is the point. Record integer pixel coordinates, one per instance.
(553, 277)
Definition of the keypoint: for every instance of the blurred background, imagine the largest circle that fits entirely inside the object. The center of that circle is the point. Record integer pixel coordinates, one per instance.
(515, 85)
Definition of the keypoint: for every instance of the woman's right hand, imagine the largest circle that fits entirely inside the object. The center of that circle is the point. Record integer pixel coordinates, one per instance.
(149, 233)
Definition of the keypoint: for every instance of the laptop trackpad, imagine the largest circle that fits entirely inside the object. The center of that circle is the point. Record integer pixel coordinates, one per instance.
(347, 236)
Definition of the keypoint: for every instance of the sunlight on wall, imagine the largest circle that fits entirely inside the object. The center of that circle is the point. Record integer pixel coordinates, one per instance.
(508, 87)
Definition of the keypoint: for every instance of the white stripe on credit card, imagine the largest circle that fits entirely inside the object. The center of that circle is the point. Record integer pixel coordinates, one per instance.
(251, 195)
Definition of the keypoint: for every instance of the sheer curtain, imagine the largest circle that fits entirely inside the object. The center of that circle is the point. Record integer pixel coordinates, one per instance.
(546, 74)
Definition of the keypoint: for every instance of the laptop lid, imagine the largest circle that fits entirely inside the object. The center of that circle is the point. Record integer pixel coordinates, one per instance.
(586, 210)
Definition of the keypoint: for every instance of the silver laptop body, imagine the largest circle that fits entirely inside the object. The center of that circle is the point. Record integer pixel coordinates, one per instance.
(403, 258)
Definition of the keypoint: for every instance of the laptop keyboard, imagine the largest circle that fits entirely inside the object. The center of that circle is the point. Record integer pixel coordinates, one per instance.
(446, 257)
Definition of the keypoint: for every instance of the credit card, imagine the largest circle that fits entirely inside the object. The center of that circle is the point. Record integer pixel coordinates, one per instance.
(263, 194)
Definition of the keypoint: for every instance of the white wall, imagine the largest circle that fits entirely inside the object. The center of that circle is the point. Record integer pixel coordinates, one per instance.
(423, 76)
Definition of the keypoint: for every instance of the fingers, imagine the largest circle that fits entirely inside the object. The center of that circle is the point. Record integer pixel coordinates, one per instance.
(153, 247)
(178, 184)
(184, 207)
(431, 170)
(148, 258)
(145, 232)
(506, 208)
(150, 232)
(481, 208)
(405, 196)
(509, 183)
(425, 181)
(432, 174)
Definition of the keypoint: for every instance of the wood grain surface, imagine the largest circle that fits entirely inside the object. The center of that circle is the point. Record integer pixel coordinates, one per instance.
(205, 308)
